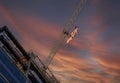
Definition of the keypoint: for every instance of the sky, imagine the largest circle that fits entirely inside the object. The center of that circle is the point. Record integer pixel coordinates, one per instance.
(93, 56)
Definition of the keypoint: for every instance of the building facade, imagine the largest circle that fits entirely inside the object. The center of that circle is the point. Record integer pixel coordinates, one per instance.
(19, 66)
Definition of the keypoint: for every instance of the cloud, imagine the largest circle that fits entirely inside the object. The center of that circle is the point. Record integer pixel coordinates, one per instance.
(71, 68)
(37, 32)
(100, 64)
(110, 62)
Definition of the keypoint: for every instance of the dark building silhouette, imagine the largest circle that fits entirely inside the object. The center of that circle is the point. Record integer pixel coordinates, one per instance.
(19, 66)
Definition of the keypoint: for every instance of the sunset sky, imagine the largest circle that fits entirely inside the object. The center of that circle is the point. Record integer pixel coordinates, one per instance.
(93, 56)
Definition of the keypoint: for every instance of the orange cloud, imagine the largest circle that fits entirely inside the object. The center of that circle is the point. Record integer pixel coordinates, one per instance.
(68, 66)
(37, 32)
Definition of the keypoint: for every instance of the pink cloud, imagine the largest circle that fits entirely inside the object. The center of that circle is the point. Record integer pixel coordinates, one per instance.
(68, 66)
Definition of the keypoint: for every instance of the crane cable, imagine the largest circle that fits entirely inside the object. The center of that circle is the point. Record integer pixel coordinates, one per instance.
(63, 36)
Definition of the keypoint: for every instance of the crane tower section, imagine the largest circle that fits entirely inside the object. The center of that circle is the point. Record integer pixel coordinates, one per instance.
(65, 33)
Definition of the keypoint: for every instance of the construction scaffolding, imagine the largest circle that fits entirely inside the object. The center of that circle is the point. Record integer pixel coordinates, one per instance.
(29, 64)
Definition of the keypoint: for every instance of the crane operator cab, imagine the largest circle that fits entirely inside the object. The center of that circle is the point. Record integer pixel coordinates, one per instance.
(71, 35)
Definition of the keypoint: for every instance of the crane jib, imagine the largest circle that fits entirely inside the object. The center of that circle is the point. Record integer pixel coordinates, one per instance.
(63, 36)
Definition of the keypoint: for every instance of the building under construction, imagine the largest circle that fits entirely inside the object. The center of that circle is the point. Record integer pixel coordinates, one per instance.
(19, 66)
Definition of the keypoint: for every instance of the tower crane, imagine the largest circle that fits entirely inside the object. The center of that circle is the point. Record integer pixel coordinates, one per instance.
(65, 33)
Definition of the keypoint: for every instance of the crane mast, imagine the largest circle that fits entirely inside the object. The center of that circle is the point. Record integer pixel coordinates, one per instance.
(63, 35)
